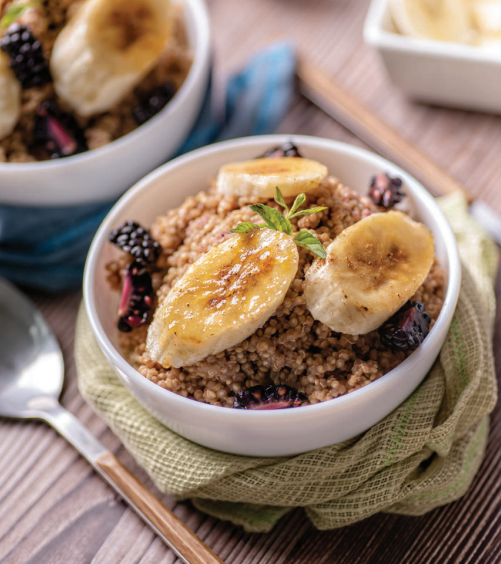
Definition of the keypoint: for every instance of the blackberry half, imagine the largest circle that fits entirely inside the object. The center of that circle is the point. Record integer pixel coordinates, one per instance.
(286, 150)
(137, 241)
(58, 133)
(386, 191)
(156, 101)
(407, 329)
(269, 397)
(26, 56)
(137, 298)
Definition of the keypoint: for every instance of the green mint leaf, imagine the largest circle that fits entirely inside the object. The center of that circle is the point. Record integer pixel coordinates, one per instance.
(273, 218)
(310, 242)
(246, 227)
(280, 199)
(308, 212)
(12, 13)
(298, 202)
(263, 211)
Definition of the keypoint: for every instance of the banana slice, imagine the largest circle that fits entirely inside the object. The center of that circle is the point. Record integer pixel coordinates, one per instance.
(259, 177)
(372, 268)
(105, 51)
(442, 20)
(10, 98)
(486, 16)
(223, 298)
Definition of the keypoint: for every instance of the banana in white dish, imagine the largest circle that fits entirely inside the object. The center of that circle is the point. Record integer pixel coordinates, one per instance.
(106, 49)
(260, 177)
(441, 20)
(10, 98)
(223, 298)
(487, 20)
(372, 268)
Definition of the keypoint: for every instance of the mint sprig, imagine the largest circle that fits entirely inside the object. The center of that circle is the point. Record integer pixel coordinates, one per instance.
(278, 222)
(15, 11)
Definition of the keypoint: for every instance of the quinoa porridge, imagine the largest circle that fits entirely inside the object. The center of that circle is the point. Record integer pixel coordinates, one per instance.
(43, 118)
(292, 351)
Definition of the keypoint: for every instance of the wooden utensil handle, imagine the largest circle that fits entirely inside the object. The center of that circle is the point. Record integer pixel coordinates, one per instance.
(177, 534)
(362, 121)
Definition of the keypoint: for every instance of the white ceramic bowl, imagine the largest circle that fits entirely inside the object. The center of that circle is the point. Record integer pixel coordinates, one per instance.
(438, 72)
(280, 432)
(105, 173)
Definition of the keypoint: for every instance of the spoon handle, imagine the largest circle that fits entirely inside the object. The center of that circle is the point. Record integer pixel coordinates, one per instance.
(182, 541)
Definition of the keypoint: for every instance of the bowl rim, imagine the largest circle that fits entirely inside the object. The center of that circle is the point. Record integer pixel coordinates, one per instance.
(375, 34)
(280, 415)
(201, 55)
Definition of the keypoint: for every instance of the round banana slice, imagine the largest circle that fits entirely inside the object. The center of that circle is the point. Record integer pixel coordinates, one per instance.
(10, 98)
(441, 20)
(372, 268)
(106, 49)
(486, 16)
(259, 177)
(223, 298)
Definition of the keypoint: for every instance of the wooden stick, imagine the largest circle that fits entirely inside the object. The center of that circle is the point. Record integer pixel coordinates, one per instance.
(326, 93)
(183, 540)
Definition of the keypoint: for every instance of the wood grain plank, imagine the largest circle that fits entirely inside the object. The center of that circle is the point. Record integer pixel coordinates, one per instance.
(76, 542)
(122, 540)
(53, 514)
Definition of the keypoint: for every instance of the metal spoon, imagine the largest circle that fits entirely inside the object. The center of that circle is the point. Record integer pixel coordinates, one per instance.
(31, 379)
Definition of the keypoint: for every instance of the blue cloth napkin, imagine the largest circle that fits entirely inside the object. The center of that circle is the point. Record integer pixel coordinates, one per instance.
(46, 247)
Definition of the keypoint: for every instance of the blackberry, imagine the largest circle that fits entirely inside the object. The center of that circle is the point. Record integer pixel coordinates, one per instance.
(137, 298)
(386, 191)
(156, 101)
(407, 329)
(137, 241)
(58, 133)
(27, 60)
(286, 150)
(269, 397)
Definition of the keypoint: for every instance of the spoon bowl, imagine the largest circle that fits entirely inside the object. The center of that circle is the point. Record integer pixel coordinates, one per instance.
(31, 363)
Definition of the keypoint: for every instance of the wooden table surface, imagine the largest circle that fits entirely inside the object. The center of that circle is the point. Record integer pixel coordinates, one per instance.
(54, 509)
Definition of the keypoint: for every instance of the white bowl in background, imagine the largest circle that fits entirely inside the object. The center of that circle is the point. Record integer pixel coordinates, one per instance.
(438, 72)
(104, 174)
(273, 432)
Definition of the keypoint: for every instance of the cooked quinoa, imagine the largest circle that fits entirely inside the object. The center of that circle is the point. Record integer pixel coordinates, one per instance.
(46, 21)
(291, 348)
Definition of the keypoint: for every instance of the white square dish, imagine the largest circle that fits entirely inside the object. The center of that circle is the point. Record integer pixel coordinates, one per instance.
(448, 74)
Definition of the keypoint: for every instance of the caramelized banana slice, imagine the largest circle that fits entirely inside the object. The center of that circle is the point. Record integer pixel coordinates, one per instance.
(223, 298)
(372, 268)
(105, 51)
(259, 177)
(10, 98)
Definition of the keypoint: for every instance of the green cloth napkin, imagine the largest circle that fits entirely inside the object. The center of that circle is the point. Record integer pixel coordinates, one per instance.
(423, 455)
